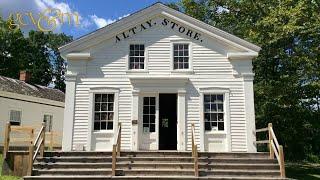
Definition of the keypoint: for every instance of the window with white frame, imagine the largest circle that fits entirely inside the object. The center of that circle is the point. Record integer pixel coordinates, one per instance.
(15, 117)
(136, 56)
(103, 111)
(214, 112)
(149, 114)
(47, 119)
(181, 56)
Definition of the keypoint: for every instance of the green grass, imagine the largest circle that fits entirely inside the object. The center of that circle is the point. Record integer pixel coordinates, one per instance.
(303, 171)
(6, 177)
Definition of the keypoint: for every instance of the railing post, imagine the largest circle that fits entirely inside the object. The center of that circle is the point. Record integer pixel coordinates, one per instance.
(30, 160)
(270, 141)
(6, 140)
(43, 136)
(31, 135)
(51, 141)
(119, 141)
(196, 167)
(282, 165)
(114, 160)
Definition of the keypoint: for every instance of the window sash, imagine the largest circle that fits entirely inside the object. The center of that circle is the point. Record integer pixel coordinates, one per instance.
(103, 111)
(149, 114)
(136, 56)
(15, 117)
(214, 112)
(181, 56)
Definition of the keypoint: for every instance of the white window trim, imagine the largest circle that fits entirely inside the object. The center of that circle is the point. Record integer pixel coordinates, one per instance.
(14, 109)
(92, 92)
(146, 55)
(181, 71)
(226, 106)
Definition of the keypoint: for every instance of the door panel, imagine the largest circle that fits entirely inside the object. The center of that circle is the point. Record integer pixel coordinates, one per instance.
(148, 126)
(168, 121)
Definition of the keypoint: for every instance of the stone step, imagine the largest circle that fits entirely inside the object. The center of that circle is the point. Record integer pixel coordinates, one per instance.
(147, 177)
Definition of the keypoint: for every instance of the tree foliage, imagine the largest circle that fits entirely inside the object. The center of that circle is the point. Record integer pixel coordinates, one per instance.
(37, 53)
(287, 85)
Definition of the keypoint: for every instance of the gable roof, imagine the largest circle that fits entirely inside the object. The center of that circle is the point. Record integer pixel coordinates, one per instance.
(21, 87)
(110, 30)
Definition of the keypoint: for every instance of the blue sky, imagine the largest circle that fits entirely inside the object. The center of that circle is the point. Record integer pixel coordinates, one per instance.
(93, 14)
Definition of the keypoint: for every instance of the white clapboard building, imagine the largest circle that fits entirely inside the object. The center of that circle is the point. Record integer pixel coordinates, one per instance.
(157, 72)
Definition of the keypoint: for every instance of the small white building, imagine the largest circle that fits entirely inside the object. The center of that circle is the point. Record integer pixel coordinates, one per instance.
(157, 72)
(24, 104)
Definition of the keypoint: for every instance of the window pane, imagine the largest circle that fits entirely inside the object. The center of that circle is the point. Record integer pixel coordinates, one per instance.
(96, 116)
(152, 109)
(220, 107)
(103, 125)
(219, 98)
(221, 126)
(98, 97)
(96, 126)
(220, 117)
(104, 116)
(213, 108)
(110, 116)
(146, 100)
(110, 97)
(104, 106)
(214, 124)
(152, 127)
(206, 98)
(213, 117)
(207, 126)
(207, 108)
(97, 107)
(110, 125)
(110, 106)
(104, 98)
(206, 116)
(145, 119)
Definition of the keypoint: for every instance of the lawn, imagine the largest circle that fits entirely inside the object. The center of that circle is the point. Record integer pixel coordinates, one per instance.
(6, 177)
(303, 171)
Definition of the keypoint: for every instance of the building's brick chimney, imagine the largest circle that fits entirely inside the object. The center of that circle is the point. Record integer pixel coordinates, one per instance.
(25, 76)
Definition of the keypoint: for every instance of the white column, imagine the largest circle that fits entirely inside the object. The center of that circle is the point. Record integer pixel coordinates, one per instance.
(69, 112)
(181, 127)
(135, 120)
(249, 105)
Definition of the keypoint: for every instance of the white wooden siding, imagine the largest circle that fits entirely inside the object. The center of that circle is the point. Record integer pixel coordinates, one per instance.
(211, 68)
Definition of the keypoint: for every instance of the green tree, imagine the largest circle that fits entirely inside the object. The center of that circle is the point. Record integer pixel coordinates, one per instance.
(37, 53)
(287, 85)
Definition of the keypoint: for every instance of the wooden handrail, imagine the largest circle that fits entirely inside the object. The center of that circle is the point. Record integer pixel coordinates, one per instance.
(116, 149)
(39, 144)
(274, 148)
(194, 152)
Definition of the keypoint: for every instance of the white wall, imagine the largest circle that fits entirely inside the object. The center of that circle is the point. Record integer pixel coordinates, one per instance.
(211, 68)
(32, 112)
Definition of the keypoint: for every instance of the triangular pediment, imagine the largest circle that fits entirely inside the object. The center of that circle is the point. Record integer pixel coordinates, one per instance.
(160, 16)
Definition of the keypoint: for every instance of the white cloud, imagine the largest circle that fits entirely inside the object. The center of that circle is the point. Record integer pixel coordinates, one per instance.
(101, 22)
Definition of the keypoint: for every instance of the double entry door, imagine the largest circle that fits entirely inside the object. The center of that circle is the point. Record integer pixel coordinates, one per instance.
(158, 122)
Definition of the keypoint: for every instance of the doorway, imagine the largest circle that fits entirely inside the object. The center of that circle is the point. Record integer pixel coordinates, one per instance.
(167, 121)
